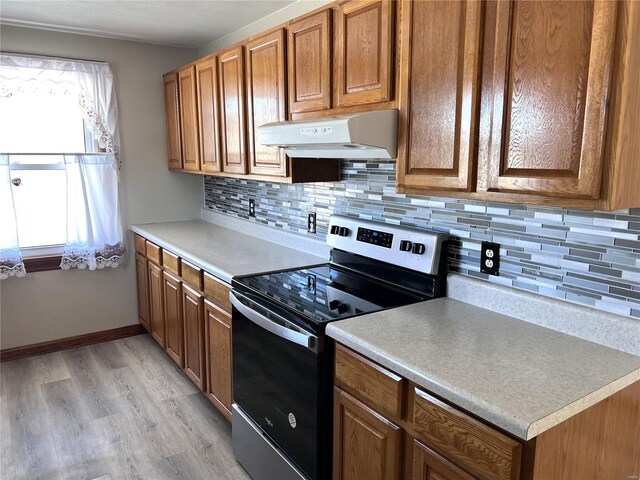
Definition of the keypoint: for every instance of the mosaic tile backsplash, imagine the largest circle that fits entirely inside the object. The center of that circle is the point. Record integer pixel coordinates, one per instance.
(591, 258)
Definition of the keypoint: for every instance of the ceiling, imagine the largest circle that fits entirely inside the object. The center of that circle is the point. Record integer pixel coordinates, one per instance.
(180, 23)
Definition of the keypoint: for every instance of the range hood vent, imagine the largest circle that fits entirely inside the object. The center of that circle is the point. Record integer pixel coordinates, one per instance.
(358, 136)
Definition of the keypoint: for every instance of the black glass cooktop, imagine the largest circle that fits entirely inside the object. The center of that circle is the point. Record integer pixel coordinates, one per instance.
(326, 293)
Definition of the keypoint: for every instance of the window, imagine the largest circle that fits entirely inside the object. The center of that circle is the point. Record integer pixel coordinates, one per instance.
(47, 124)
(59, 145)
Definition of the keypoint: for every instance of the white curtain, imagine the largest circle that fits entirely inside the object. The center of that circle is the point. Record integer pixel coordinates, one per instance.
(91, 82)
(10, 259)
(94, 228)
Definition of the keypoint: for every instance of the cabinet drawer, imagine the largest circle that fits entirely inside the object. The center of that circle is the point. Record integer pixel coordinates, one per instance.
(171, 263)
(154, 253)
(377, 386)
(479, 449)
(140, 244)
(217, 291)
(192, 275)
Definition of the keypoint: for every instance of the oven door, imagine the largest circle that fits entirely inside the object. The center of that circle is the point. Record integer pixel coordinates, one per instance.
(277, 373)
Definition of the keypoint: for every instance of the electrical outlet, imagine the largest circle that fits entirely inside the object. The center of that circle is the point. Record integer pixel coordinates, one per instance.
(311, 222)
(252, 207)
(490, 258)
(311, 283)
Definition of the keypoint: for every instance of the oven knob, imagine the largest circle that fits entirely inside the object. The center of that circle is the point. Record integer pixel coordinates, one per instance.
(344, 231)
(418, 248)
(334, 229)
(405, 246)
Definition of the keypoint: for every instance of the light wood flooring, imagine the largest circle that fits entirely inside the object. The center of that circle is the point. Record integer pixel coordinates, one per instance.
(115, 410)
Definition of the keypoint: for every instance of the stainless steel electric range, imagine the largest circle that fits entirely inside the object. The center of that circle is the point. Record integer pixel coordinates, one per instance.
(282, 362)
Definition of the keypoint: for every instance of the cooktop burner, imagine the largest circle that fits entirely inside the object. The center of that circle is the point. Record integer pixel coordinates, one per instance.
(327, 292)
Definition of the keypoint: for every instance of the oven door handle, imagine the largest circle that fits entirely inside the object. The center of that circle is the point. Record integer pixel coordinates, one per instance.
(306, 340)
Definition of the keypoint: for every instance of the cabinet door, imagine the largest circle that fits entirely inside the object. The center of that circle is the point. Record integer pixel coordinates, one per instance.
(218, 354)
(189, 119)
(232, 116)
(172, 120)
(429, 465)
(208, 108)
(440, 94)
(156, 304)
(193, 319)
(142, 276)
(545, 87)
(365, 444)
(172, 293)
(310, 63)
(364, 49)
(266, 100)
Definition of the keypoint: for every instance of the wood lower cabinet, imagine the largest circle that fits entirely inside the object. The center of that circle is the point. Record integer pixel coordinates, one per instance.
(440, 99)
(429, 465)
(266, 102)
(232, 111)
(189, 119)
(142, 277)
(189, 314)
(365, 444)
(156, 304)
(172, 294)
(479, 449)
(430, 439)
(546, 81)
(172, 120)
(371, 382)
(309, 47)
(218, 357)
(364, 52)
(193, 321)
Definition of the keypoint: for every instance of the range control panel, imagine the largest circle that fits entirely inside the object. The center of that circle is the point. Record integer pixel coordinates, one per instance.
(375, 237)
(402, 246)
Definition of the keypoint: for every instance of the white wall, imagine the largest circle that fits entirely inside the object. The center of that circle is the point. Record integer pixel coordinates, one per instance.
(49, 305)
(285, 14)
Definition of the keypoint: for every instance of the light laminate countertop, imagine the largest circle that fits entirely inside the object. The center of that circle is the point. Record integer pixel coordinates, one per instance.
(223, 252)
(516, 375)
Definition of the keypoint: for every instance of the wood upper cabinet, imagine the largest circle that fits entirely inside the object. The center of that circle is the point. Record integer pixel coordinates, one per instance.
(266, 102)
(365, 444)
(232, 111)
(309, 47)
(218, 357)
(156, 304)
(142, 276)
(545, 80)
(429, 465)
(364, 52)
(440, 92)
(193, 321)
(172, 120)
(189, 119)
(172, 293)
(208, 109)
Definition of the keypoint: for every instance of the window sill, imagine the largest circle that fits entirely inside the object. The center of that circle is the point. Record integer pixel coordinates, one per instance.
(42, 263)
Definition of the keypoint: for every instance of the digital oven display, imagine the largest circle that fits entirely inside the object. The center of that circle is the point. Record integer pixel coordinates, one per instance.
(375, 237)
